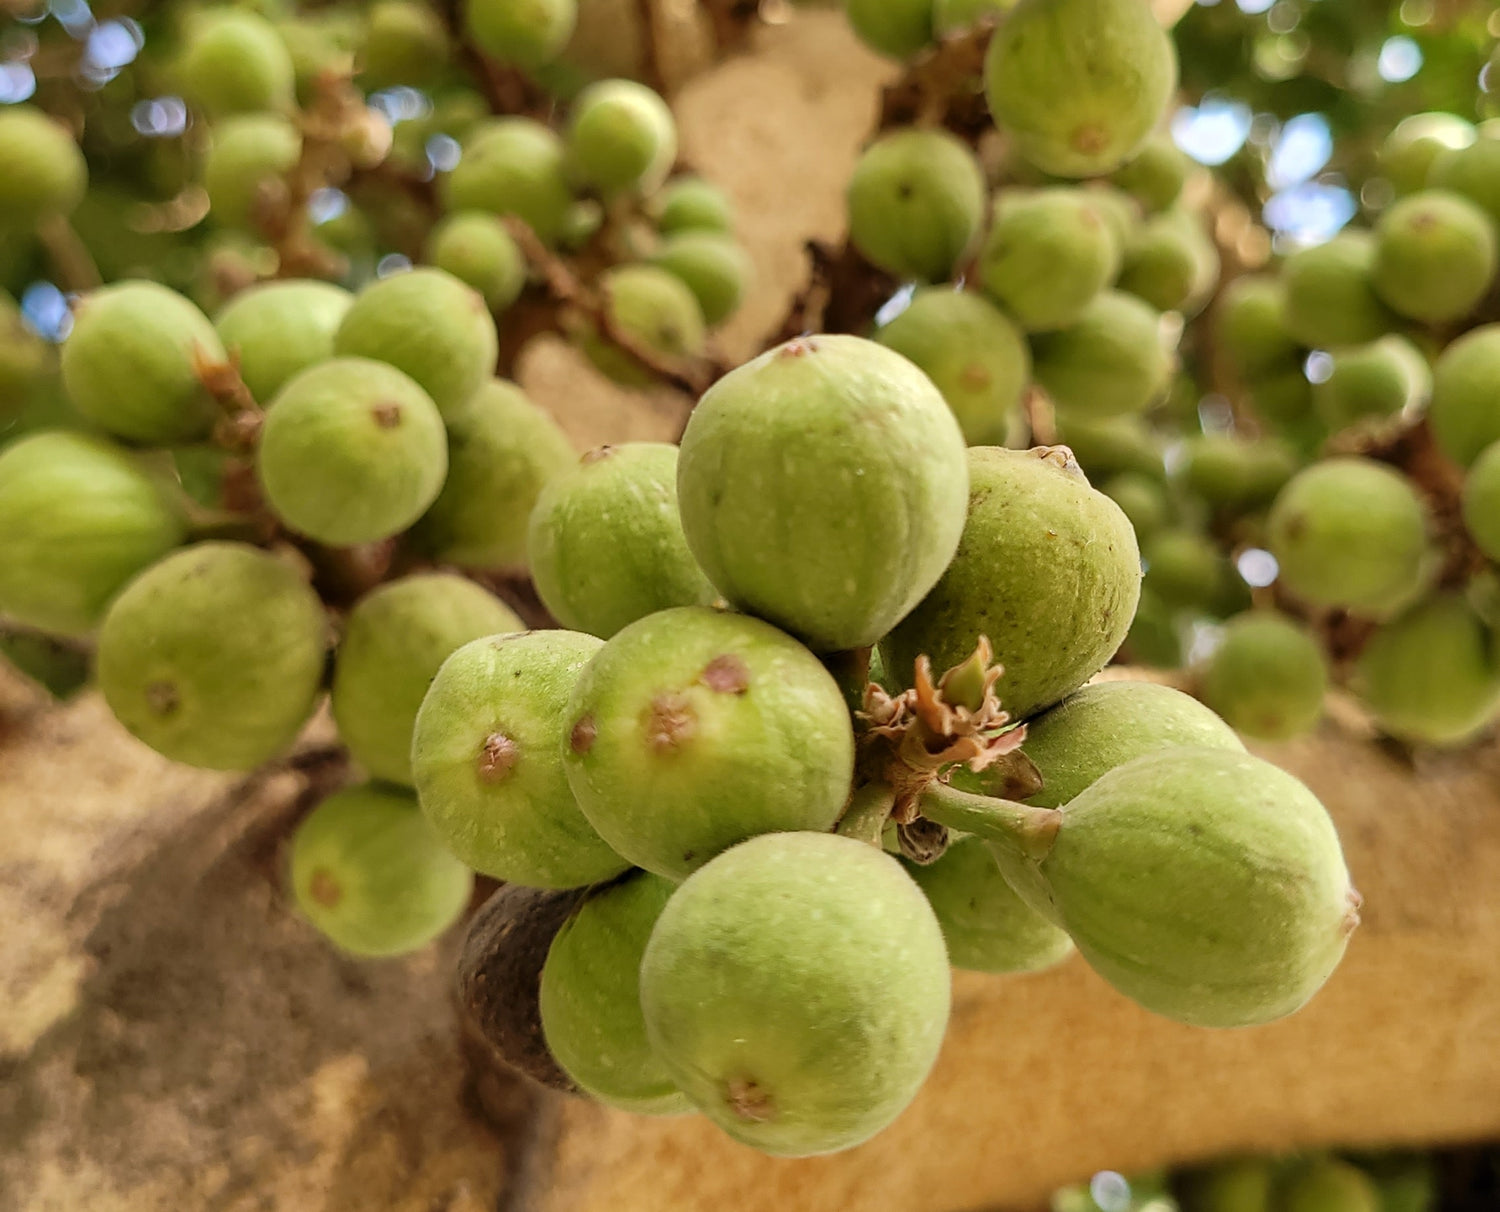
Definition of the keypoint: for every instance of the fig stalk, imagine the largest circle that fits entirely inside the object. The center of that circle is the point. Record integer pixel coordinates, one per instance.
(1022, 829)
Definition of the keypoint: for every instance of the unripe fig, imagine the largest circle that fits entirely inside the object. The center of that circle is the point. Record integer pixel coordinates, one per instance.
(214, 655)
(130, 363)
(1386, 377)
(522, 33)
(692, 730)
(1351, 532)
(1048, 255)
(28, 362)
(1286, 399)
(1464, 413)
(692, 204)
(1107, 446)
(778, 1011)
(1432, 675)
(502, 451)
(1242, 1185)
(1184, 569)
(513, 166)
(1121, 212)
(476, 249)
(1330, 293)
(1111, 361)
(1154, 638)
(1156, 174)
(951, 16)
(1408, 153)
(1481, 502)
(279, 328)
(1252, 326)
(1079, 84)
(897, 28)
(715, 268)
(621, 136)
(486, 760)
(45, 172)
(1048, 569)
(395, 640)
(371, 875)
(1171, 264)
(234, 62)
(78, 519)
(405, 43)
(1472, 171)
(1408, 1182)
(1435, 256)
(916, 202)
(1327, 1185)
(352, 451)
(431, 326)
(591, 998)
(1267, 677)
(606, 541)
(986, 926)
(822, 487)
(248, 157)
(1142, 499)
(655, 309)
(974, 355)
(1236, 473)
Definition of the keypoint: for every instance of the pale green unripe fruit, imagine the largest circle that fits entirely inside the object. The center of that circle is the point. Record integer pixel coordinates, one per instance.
(916, 202)
(214, 655)
(248, 157)
(235, 62)
(591, 998)
(277, 329)
(1251, 326)
(1047, 255)
(621, 136)
(352, 451)
(1185, 568)
(654, 308)
(1242, 1185)
(477, 250)
(822, 486)
(1386, 377)
(1435, 256)
(1110, 445)
(1155, 639)
(986, 926)
(78, 519)
(606, 540)
(1171, 263)
(1408, 153)
(431, 326)
(1351, 532)
(503, 450)
(713, 266)
(1259, 907)
(486, 760)
(45, 172)
(1236, 473)
(1110, 361)
(898, 28)
(1472, 171)
(1481, 502)
(395, 640)
(514, 166)
(1142, 499)
(974, 355)
(1327, 1185)
(692, 204)
(1330, 293)
(1465, 408)
(951, 16)
(1267, 677)
(1079, 84)
(692, 730)
(130, 363)
(778, 1011)
(369, 873)
(1048, 569)
(1156, 174)
(1432, 675)
(525, 33)
(405, 43)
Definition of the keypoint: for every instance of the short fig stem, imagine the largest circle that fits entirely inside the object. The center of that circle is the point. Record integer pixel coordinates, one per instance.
(869, 809)
(1026, 830)
(851, 670)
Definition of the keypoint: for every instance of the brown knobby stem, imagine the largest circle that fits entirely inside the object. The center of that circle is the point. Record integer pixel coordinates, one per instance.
(1026, 831)
(944, 85)
(868, 811)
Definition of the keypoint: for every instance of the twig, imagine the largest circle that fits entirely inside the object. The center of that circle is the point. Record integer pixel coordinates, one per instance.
(70, 257)
(943, 86)
(645, 11)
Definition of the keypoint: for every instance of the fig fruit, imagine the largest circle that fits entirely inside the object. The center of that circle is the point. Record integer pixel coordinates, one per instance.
(1252, 328)
(476, 249)
(1267, 677)
(822, 487)
(777, 1010)
(214, 655)
(1386, 377)
(45, 174)
(1327, 1185)
(951, 16)
(1435, 256)
(1141, 499)
(1465, 407)
(243, 174)
(1418, 141)
(1110, 361)
(234, 62)
(521, 33)
(279, 328)
(1472, 170)
(653, 308)
(1238, 1185)
(1235, 473)
(1156, 174)
(621, 136)
(692, 730)
(486, 759)
(691, 204)
(1171, 263)
(712, 266)
(1330, 293)
(1185, 568)
(897, 28)
(405, 43)
(513, 166)
(1047, 568)
(1106, 446)
(1481, 502)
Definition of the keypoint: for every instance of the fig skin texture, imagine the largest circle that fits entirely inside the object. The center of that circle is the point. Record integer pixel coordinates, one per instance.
(653, 307)
(477, 249)
(822, 486)
(1381, 379)
(1236, 473)
(78, 519)
(1327, 1185)
(1409, 153)
(395, 640)
(486, 759)
(280, 328)
(591, 998)
(692, 730)
(1464, 414)
(1109, 363)
(1258, 909)
(1048, 569)
(1155, 175)
(513, 166)
(234, 62)
(1330, 297)
(692, 204)
(986, 926)
(352, 451)
(1171, 263)
(370, 874)
(1267, 677)
(713, 266)
(606, 541)
(129, 363)
(521, 34)
(45, 175)
(248, 157)
(1435, 256)
(405, 43)
(621, 136)
(214, 655)
(895, 28)
(1481, 502)
(778, 1010)
(1079, 84)
(1251, 326)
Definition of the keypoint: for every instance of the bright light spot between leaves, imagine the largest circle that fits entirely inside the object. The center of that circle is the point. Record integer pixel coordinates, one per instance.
(1400, 59)
(1257, 567)
(1318, 367)
(895, 305)
(163, 118)
(1302, 148)
(45, 309)
(1110, 1191)
(1311, 213)
(444, 153)
(326, 204)
(391, 263)
(17, 83)
(1213, 131)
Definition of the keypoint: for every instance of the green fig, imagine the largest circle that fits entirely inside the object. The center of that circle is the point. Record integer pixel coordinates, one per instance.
(952, 16)
(45, 172)
(621, 136)
(692, 204)
(1236, 473)
(234, 62)
(1154, 639)
(1252, 326)
(1408, 153)
(405, 43)
(522, 33)
(1267, 677)
(1435, 256)
(279, 328)
(1386, 377)
(248, 158)
(1472, 171)
(1330, 293)
(712, 266)
(1143, 500)
(1106, 446)
(513, 166)
(1464, 413)
(476, 248)
(1481, 502)
(896, 28)
(1171, 263)
(1111, 361)
(1241, 1185)
(655, 309)
(1156, 174)
(1285, 400)
(1327, 1185)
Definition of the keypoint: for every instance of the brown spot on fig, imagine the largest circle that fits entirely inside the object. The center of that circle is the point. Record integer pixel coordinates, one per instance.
(162, 698)
(387, 416)
(727, 674)
(497, 757)
(749, 1101)
(597, 455)
(324, 888)
(670, 722)
(798, 346)
(581, 739)
(1090, 139)
(975, 376)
